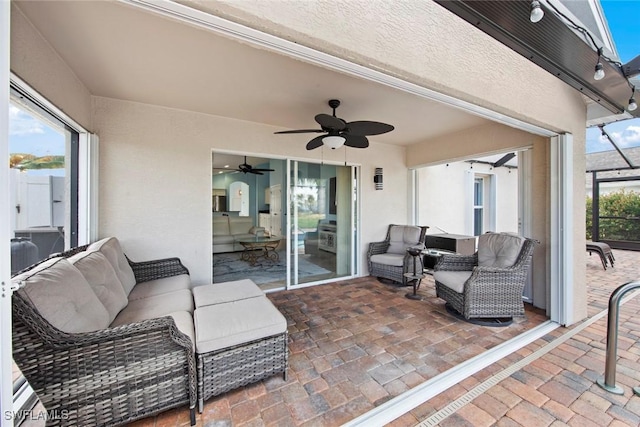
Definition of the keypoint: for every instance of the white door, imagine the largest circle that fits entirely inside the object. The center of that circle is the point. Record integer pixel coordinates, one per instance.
(239, 193)
(275, 210)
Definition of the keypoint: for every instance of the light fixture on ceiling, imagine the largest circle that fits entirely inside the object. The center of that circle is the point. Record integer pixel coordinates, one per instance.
(599, 74)
(536, 11)
(333, 141)
(632, 102)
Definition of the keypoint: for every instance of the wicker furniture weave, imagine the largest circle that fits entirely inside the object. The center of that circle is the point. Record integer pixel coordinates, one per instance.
(490, 292)
(391, 272)
(248, 343)
(110, 376)
(229, 368)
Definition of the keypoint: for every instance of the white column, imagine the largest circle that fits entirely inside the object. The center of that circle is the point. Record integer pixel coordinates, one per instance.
(561, 250)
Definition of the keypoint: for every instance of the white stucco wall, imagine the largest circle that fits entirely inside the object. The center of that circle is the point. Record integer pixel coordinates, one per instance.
(445, 200)
(155, 178)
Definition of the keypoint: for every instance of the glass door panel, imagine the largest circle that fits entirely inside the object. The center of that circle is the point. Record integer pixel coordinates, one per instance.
(321, 217)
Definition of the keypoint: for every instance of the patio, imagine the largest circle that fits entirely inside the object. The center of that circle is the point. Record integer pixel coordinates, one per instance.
(357, 344)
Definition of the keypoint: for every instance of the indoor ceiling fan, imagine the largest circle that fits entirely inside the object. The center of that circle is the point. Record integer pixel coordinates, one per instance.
(338, 132)
(247, 168)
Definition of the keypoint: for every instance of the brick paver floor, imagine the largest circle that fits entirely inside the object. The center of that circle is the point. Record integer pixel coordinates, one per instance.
(558, 388)
(356, 344)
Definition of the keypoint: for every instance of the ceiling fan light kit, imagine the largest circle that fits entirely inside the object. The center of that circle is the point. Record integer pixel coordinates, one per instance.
(333, 141)
(339, 132)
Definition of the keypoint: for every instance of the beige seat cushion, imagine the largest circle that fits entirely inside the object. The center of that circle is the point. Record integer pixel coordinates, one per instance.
(454, 280)
(223, 239)
(225, 325)
(165, 285)
(62, 295)
(98, 271)
(156, 306)
(395, 260)
(110, 247)
(499, 249)
(218, 293)
(401, 237)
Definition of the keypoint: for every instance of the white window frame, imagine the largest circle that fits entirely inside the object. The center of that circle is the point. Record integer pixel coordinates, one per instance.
(479, 179)
(6, 390)
(87, 215)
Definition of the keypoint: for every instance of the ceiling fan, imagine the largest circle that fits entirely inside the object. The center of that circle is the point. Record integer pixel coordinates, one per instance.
(339, 132)
(247, 168)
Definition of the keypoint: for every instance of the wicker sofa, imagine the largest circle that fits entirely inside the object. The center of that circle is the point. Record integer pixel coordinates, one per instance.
(106, 341)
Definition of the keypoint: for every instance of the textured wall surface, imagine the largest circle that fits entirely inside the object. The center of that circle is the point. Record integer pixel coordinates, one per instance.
(155, 178)
(33, 60)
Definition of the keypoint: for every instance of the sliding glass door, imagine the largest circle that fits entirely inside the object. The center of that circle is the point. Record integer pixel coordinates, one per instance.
(321, 222)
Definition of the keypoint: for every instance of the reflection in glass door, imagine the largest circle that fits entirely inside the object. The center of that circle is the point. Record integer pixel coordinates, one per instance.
(321, 218)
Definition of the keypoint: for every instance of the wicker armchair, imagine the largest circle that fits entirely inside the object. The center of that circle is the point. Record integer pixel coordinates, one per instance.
(109, 376)
(490, 283)
(389, 259)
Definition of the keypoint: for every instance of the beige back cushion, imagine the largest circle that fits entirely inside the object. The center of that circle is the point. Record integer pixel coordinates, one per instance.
(240, 224)
(401, 237)
(221, 226)
(110, 248)
(63, 297)
(102, 278)
(499, 249)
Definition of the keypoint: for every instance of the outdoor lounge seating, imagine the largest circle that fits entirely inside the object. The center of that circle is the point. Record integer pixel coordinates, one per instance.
(228, 229)
(604, 252)
(109, 341)
(490, 283)
(389, 259)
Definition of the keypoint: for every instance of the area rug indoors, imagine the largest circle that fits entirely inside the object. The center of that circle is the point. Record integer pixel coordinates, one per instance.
(229, 266)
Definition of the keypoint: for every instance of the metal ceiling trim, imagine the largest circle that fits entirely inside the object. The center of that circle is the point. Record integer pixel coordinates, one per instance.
(549, 43)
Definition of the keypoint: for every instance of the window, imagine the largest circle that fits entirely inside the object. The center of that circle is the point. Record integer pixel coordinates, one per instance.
(478, 206)
(43, 159)
(52, 190)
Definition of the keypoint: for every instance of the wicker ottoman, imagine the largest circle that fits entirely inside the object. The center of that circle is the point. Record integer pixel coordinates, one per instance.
(238, 343)
(218, 293)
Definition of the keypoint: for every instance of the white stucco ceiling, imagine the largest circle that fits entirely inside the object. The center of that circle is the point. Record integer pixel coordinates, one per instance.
(122, 52)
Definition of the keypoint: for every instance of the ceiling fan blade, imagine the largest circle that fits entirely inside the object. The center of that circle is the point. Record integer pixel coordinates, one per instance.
(365, 127)
(301, 131)
(315, 142)
(255, 172)
(263, 170)
(330, 122)
(355, 141)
